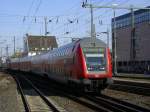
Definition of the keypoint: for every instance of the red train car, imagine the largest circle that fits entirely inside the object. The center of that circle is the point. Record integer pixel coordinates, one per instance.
(84, 63)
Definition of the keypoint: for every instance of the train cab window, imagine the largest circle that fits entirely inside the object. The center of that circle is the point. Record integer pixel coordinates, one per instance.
(95, 59)
(65, 52)
(59, 53)
(70, 49)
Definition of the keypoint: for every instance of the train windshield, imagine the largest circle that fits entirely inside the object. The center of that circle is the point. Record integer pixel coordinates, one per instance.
(95, 59)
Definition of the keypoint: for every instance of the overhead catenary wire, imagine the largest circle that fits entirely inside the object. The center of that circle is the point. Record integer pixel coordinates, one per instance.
(70, 26)
(43, 16)
(54, 17)
(83, 15)
(79, 17)
(102, 15)
(36, 10)
(63, 25)
(32, 17)
(29, 11)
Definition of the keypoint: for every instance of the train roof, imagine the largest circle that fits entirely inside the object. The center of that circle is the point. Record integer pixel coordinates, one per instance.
(92, 42)
(84, 42)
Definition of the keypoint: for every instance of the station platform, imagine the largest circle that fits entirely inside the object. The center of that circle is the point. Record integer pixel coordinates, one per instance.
(134, 80)
(132, 76)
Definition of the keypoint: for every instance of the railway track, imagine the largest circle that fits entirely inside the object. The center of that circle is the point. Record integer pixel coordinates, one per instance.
(115, 105)
(96, 103)
(37, 101)
(57, 90)
(131, 87)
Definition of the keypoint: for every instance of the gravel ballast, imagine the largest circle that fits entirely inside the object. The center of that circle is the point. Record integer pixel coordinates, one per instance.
(8, 94)
(140, 100)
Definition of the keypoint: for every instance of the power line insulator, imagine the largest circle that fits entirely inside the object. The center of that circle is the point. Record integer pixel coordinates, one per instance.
(83, 4)
(50, 20)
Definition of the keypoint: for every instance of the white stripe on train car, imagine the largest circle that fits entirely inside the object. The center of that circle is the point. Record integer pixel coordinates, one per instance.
(95, 55)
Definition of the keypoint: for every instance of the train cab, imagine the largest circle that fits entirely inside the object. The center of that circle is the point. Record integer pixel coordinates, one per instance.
(96, 63)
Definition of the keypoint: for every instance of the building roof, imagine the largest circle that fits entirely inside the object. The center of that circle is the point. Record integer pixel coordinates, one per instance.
(129, 14)
(40, 42)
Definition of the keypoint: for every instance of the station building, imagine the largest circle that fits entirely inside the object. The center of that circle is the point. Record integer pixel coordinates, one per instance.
(132, 56)
(35, 44)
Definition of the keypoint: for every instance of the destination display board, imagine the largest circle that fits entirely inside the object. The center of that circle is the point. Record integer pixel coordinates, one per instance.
(93, 50)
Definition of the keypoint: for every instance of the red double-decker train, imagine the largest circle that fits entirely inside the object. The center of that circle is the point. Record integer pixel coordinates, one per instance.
(84, 63)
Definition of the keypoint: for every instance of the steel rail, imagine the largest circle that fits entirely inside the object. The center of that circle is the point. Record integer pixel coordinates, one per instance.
(46, 100)
(24, 99)
(96, 103)
(125, 103)
(114, 106)
(131, 89)
(72, 97)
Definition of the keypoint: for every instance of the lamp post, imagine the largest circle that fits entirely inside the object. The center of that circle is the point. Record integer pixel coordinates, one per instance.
(114, 40)
(107, 33)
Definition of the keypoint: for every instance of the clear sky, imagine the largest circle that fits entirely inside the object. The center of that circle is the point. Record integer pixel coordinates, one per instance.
(18, 17)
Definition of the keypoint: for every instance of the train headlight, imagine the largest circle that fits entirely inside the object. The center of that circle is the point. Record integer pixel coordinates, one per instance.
(89, 68)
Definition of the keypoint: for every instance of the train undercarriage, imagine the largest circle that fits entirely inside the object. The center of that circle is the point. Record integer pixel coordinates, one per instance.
(91, 85)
